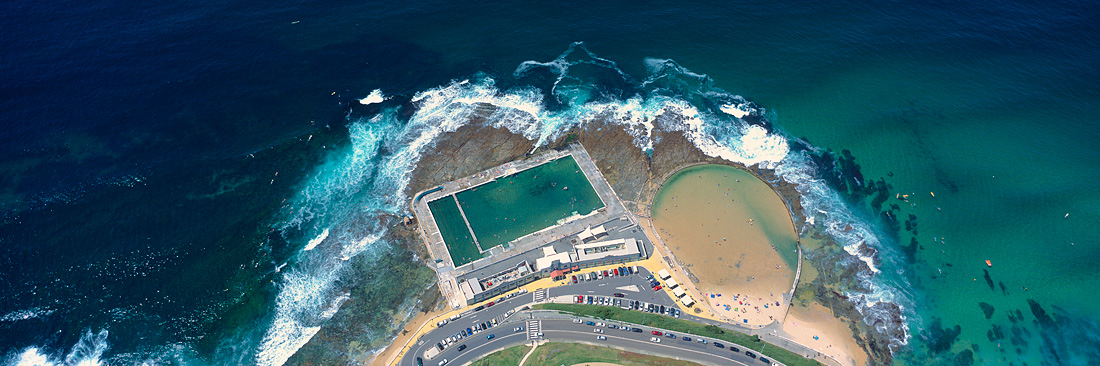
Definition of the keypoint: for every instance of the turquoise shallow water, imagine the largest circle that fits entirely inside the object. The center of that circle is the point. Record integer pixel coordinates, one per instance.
(197, 183)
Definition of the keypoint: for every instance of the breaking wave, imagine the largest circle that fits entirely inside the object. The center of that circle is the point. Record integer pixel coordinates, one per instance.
(348, 195)
(88, 351)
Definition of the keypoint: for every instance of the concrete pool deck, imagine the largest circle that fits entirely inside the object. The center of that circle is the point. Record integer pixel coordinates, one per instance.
(444, 266)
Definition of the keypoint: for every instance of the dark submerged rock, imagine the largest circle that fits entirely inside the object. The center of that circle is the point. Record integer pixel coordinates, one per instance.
(987, 309)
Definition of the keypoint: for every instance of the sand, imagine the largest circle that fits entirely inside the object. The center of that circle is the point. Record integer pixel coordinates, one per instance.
(734, 236)
(411, 327)
(834, 337)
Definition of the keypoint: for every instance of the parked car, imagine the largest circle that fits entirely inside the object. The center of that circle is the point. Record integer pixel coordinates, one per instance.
(764, 360)
(735, 349)
(491, 303)
(576, 320)
(636, 330)
(701, 340)
(656, 333)
(688, 339)
(574, 279)
(719, 345)
(618, 294)
(750, 354)
(658, 288)
(670, 335)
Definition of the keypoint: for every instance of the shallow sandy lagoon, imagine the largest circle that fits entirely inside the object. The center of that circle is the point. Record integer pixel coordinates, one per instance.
(733, 234)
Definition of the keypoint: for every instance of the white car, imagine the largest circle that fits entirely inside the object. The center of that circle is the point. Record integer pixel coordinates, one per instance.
(602, 338)
(654, 339)
(597, 330)
(518, 329)
(576, 320)
(599, 324)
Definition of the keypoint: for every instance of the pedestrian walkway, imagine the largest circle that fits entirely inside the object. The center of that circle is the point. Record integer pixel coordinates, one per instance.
(540, 295)
(534, 328)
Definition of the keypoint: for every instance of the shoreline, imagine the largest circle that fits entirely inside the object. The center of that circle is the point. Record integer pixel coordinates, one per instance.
(798, 322)
(635, 178)
(720, 225)
(412, 328)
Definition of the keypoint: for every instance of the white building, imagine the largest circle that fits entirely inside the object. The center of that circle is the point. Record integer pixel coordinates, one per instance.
(549, 257)
(591, 233)
(609, 248)
(679, 292)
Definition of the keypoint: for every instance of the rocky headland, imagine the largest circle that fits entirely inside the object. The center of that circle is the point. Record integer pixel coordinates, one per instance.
(635, 175)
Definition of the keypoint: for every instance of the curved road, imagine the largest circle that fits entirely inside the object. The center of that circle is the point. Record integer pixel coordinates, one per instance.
(564, 330)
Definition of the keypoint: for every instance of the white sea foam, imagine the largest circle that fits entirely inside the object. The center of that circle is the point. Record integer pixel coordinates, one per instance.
(361, 182)
(334, 193)
(88, 351)
(299, 296)
(25, 314)
(313, 242)
(374, 97)
(355, 247)
(735, 110)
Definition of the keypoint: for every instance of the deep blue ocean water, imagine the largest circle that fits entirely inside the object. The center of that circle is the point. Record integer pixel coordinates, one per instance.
(198, 183)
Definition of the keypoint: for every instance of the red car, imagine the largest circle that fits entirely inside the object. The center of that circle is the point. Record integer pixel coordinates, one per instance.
(491, 303)
(616, 271)
(580, 299)
(574, 279)
(605, 273)
(656, 333)
(658, 288)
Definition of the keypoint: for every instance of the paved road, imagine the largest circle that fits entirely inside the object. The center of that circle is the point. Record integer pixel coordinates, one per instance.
(565, 330)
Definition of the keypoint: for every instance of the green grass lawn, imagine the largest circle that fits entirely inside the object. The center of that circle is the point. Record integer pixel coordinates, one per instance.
(557, 354)
(506, 357)
(683, 326)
